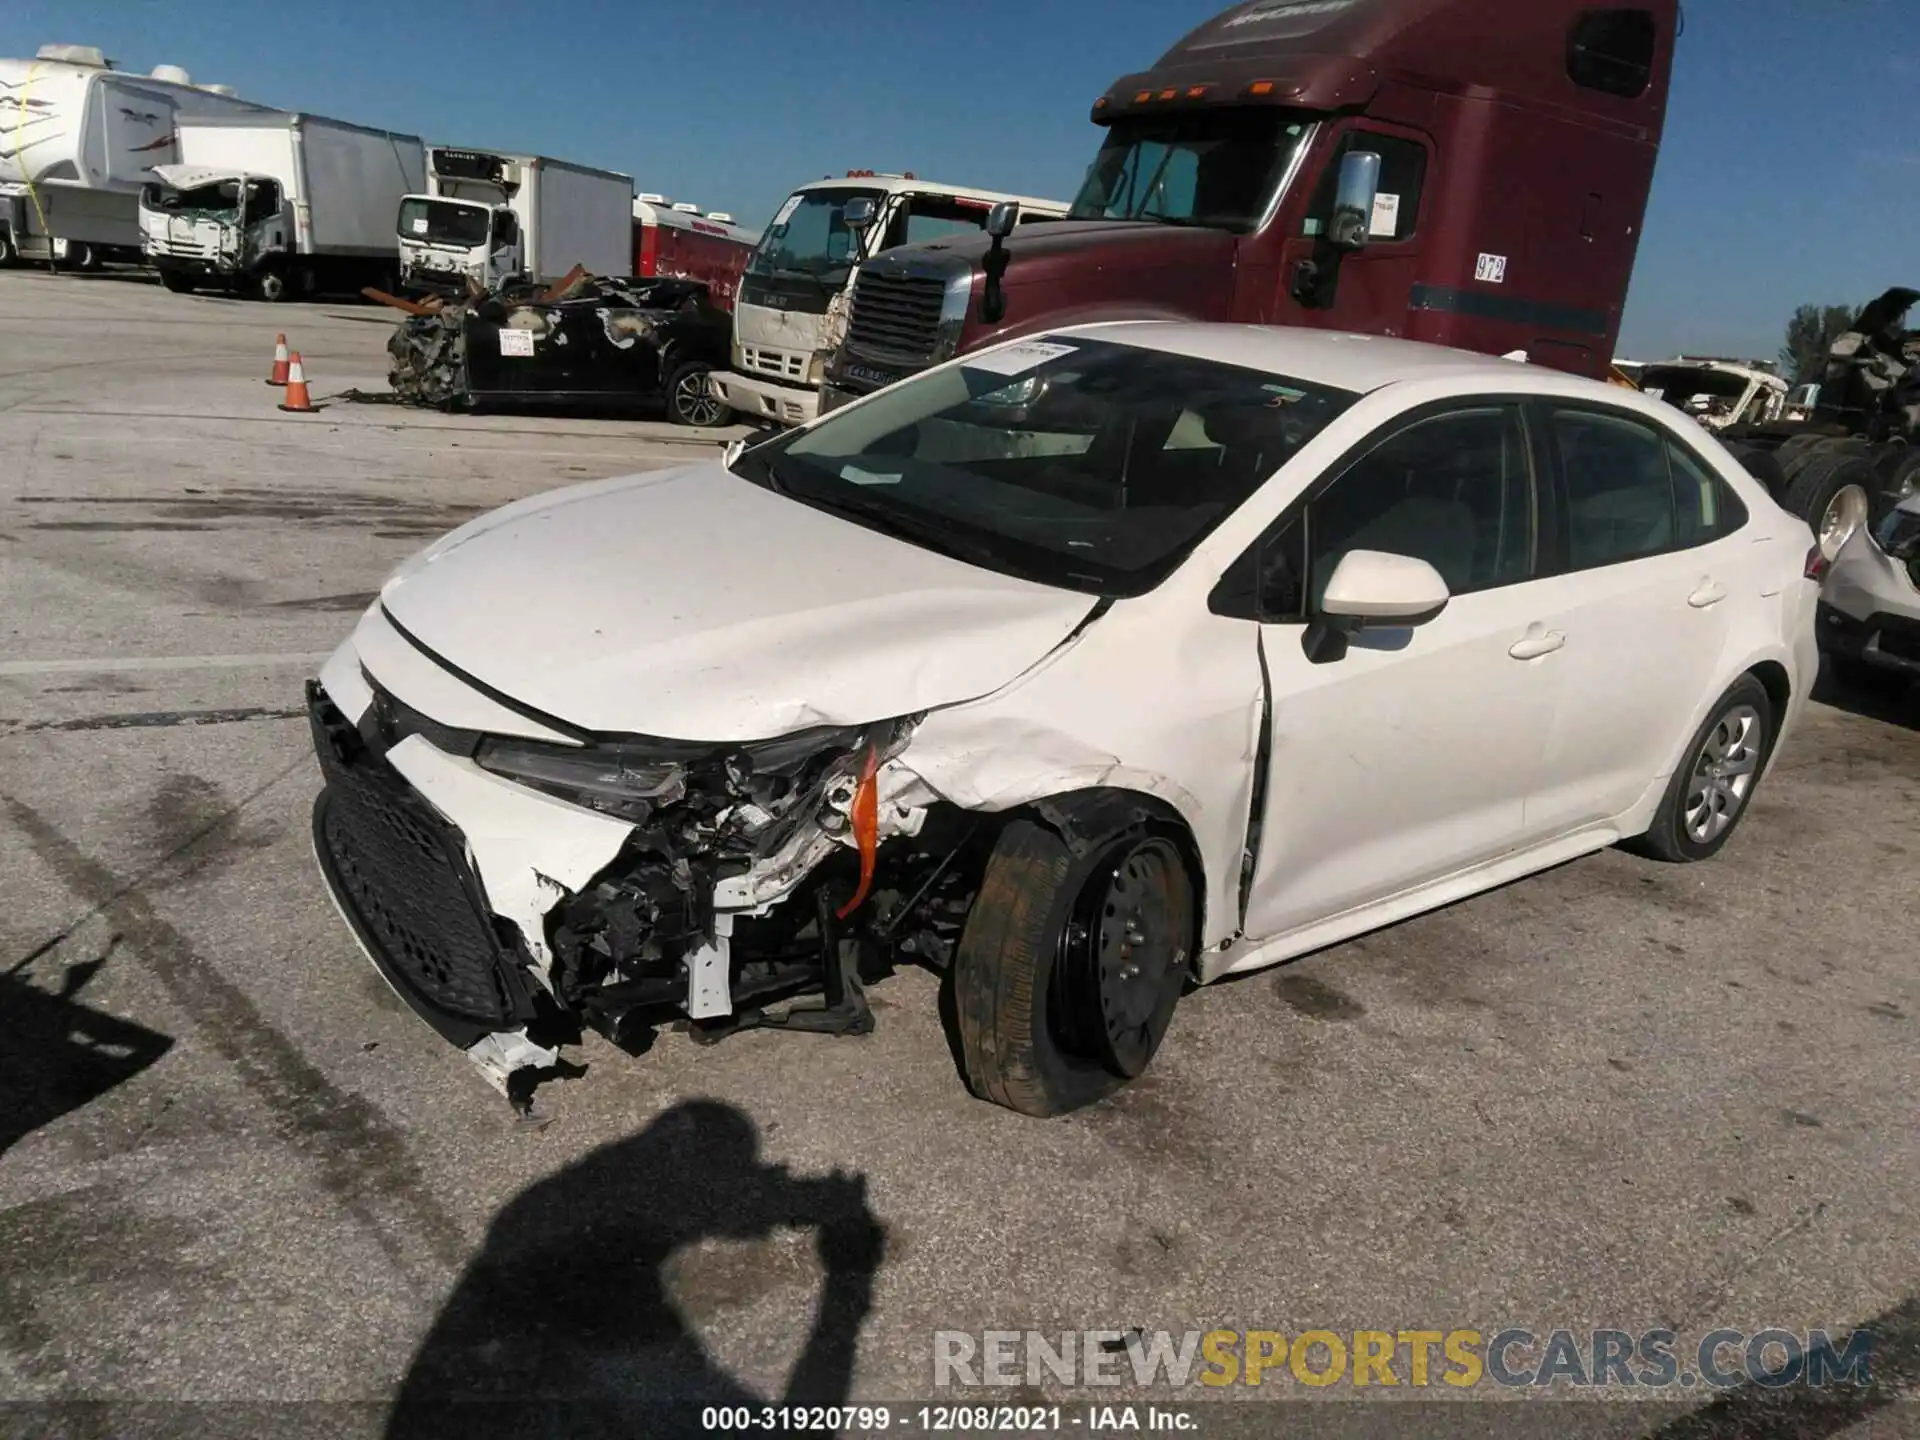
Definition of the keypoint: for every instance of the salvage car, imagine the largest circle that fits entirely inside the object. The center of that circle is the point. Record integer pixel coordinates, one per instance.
(589, 341)
(1082, 669)
(1870, 602)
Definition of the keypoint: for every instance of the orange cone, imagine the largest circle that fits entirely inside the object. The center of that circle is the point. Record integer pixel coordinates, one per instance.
(298, 402)
(279, 375)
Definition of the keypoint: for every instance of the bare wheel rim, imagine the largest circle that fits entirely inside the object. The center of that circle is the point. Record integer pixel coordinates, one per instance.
(1846, 513)
(1121, 948)
(1724, 770)
(693, 399)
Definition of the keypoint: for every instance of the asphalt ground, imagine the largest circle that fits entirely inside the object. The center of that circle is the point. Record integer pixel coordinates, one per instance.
(1615, 1095)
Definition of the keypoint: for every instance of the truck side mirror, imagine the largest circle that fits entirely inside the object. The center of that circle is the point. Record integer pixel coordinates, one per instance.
(858, 214)
(1000, 222)
(1353, 201)
(1002, 218)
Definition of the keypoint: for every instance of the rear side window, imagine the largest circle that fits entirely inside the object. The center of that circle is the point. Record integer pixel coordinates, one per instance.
(1612, 51)
(1403, 171)
(1631, 492)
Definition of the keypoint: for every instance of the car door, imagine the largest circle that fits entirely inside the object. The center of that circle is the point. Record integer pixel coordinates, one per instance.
(1652, 559)
(1412, 755)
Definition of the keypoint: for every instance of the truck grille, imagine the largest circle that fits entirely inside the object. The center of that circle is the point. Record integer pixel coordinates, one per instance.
(896, 314)
(780, 364)
(400, 873)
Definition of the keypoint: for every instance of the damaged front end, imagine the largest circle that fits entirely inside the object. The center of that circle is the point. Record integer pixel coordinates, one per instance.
(751, 889)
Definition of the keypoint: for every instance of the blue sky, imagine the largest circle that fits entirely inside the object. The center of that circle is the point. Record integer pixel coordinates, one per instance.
(1790, 170)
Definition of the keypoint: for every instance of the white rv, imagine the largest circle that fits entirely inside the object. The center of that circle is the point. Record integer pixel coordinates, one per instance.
(487, 217)
(78, 139)
(278, 205)
(790, 312)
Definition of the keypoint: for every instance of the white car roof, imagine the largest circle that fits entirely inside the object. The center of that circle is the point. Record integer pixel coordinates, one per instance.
(1356, 362)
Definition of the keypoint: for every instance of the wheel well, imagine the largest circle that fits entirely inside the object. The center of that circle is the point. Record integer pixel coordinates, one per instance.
(1084, 817)
(1773, 679)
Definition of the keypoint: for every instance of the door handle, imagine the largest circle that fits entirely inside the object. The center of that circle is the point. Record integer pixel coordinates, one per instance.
(1711, 592)
(1534, 646)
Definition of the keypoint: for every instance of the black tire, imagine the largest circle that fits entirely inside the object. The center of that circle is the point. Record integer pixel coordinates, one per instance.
(688, 406)
(1032, 1036)
(1764, 466)
(1794, 448)
(1823, 478)
(9, 252)
(1898, 481)
(271, 284)
(178, 281)
(1670, 838)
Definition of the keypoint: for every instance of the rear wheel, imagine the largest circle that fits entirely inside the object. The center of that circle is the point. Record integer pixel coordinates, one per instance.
(1832, 494)
(9, 252)
(1070, 966)
(1714, 783)
(690, 397)
(270, 285)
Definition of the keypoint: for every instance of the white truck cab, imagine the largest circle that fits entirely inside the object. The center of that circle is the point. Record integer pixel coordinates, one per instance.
(488, 217)
(790, 312)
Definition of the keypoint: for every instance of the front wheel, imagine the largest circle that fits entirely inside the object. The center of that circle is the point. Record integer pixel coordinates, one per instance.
(1070, 966)
(178, 281)
(690, 397)
(1833, 494)
(1714, 783)
(271, 286)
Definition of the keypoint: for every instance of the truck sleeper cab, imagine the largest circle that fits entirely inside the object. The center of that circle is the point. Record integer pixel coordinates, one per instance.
(790, 310)
(1469, 173)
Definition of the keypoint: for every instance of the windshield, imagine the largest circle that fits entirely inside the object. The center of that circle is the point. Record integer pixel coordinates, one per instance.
(219, 197)
(444, 222)
(1217, 168)
(809, 238)
(1075, 462)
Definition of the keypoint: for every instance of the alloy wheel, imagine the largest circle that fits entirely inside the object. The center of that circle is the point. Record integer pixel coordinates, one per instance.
(694, 400)
(1724, 772)
(1845, 513)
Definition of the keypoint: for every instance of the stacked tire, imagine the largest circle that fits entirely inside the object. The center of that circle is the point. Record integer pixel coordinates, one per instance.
(1838, 483)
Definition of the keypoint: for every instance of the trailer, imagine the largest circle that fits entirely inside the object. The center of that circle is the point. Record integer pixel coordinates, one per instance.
(278, 205)
(78, 140)
(674, 240)
(483, 219)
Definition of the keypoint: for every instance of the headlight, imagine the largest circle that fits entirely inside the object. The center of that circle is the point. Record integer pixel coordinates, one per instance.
(610, 778)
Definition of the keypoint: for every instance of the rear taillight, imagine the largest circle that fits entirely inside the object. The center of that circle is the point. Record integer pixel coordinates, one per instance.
(1816, 568)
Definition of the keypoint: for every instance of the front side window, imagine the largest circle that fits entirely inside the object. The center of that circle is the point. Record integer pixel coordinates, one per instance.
(933, 217)
(1403, 173)
(1612, 51)
(1217, 168)
(1455, 490)
(1075, 462)
(1632, 492)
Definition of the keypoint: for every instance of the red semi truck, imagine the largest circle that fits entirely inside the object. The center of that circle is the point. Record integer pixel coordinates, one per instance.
(1471, 173)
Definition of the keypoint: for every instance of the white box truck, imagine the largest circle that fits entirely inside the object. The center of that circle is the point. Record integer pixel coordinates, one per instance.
(486, 217)
(790, 311)
(78, 138)
(278, 205)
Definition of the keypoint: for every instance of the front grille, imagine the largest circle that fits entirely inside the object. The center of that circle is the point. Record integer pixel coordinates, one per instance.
(400, 872)
(896, 314)
(780, 364)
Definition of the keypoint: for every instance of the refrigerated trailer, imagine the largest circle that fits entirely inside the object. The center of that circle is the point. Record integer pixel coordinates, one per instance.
(483, 218)
(78, 138)
(278, 205)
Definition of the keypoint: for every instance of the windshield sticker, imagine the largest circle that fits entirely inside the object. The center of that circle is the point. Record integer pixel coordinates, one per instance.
(419, 225)
(854, 475)
(1284, 394)
(1491, 268)
(1386, 215)
(1017, 359)
(786, 210)
(516, 342)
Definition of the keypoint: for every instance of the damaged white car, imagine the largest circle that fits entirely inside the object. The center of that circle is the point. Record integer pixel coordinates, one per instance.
(1870, 601)
(1082, 669)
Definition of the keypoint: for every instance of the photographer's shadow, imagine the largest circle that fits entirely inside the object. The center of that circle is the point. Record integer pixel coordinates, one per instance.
(562, 1325)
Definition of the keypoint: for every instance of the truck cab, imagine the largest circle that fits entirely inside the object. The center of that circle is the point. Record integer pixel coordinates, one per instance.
(790, 307)
(1470, 173)
(200, 221)
(444, 243)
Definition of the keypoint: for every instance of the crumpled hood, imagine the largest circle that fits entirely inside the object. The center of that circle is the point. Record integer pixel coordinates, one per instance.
(192, 177)
(691, 604)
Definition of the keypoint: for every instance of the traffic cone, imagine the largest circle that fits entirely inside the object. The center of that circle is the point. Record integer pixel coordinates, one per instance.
(298, 402)
(279, 375)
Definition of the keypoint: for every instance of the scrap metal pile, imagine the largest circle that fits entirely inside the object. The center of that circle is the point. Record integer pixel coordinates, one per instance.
(583, 339)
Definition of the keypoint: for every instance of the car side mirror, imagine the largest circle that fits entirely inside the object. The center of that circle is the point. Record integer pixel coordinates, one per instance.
(1373, 590)
(735, 449)
(1359, 186)
(858, 213)
(1002, 218)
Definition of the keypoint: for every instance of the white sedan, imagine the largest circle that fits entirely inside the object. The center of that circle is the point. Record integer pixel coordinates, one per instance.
(1081, 669)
